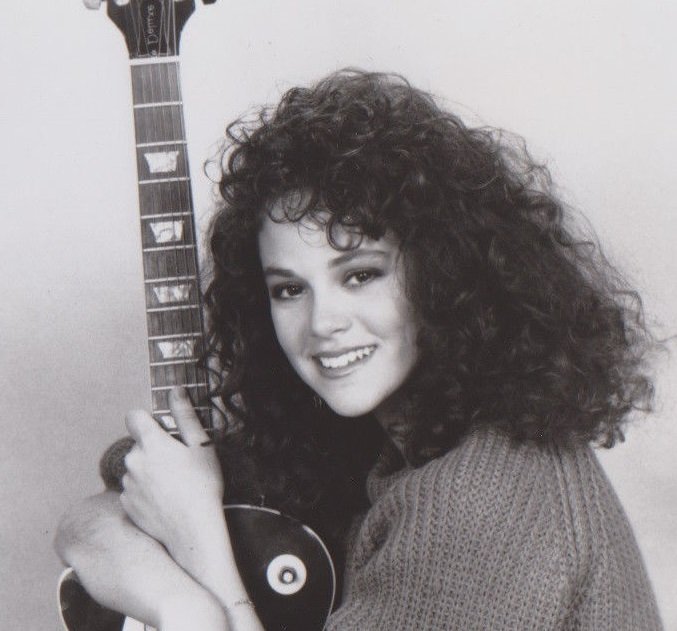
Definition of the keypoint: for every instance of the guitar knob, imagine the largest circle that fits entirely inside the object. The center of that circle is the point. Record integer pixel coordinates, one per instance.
(286, 574)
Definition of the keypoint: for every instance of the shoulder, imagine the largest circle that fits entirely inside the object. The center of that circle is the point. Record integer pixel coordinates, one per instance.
(534, 526)
(488, 469)
(542, 510)
(496, 496)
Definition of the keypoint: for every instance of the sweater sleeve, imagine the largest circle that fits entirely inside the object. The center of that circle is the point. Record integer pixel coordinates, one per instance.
(487, 537)
(613, 591)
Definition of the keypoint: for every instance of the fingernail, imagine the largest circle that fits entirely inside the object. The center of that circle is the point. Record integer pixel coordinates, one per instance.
(180, 393)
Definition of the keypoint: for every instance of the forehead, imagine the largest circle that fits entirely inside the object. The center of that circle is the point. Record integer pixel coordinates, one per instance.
(306, 242)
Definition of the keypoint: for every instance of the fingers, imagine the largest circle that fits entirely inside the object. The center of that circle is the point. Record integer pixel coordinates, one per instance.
(142, 426)
(185, 418)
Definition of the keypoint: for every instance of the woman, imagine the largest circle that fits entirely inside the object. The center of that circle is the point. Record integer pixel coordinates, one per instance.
(417, 352)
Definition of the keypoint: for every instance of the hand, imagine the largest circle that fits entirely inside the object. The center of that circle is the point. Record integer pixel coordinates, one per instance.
(173, 491)
(128, 571)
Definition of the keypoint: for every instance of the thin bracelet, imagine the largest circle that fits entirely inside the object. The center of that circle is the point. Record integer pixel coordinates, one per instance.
(238, 603)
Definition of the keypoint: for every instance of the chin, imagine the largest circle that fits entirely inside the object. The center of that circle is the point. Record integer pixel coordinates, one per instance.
(349, 409)
(351, 404)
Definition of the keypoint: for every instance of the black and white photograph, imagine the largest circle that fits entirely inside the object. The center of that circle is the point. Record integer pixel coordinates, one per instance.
(350, 316)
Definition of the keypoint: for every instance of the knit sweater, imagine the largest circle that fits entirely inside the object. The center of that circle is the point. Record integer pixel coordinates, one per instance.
(495, 535)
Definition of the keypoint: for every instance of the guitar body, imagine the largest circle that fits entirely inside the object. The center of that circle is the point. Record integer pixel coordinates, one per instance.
(284, 565)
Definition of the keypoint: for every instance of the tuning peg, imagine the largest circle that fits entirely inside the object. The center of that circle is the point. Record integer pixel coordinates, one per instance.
(92, 4)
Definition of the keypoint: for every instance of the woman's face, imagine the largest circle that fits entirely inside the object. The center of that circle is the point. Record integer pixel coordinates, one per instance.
(341, 317)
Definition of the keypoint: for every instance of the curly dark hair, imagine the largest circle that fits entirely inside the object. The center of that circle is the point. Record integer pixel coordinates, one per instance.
(524, 325)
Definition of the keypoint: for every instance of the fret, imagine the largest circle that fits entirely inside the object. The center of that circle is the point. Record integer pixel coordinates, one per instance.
(160, 144)
(202, 384)
(175, 336)
(144, 61)
(160, 398)
(166, 216)
(175, 362)
(159, 104)
(160, 265)
(177, 308)
(170, 248)
(170, 279)
(160, 180)
(163, 323)
(175, 374)
(152, 125)
(165, 196)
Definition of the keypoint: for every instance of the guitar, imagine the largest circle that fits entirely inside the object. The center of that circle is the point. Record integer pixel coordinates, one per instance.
(284, 565)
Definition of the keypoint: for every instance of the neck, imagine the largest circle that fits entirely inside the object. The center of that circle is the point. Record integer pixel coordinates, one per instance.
(393, 418)
(173, 301)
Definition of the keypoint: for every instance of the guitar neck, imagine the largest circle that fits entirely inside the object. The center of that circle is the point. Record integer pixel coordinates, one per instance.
(168, 239)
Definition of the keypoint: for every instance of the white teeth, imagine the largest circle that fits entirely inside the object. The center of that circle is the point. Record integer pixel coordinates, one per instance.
(347, 358)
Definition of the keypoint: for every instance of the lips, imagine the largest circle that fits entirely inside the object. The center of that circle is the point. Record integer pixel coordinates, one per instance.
(343, 359)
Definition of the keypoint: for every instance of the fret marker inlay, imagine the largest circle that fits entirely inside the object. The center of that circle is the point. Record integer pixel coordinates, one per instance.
(176, 348)
(168, 421)
(167, 231)
(162, 161)
(172, 293)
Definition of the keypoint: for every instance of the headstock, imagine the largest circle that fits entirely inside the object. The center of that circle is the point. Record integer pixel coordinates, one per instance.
(152, 28)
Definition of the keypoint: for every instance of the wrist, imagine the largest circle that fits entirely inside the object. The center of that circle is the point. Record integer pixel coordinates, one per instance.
(192, 611)
(207, 555)
(195, 543)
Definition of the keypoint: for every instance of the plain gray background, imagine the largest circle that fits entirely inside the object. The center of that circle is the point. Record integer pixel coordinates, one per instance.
(589, 83)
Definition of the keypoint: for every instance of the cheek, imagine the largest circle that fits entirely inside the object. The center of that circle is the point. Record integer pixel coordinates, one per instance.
(288, 328)
(408, 338)
(400, 320)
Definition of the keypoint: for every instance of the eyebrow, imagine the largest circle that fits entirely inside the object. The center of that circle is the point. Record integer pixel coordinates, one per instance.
(346, 257)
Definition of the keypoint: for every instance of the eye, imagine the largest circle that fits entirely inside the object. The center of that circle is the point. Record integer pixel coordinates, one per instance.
(286, 291)
(362, 277)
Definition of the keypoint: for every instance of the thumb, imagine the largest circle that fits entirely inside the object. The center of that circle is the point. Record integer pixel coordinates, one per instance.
(185, 418)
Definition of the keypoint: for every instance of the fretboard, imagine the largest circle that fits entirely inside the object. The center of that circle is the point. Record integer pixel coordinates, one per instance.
(170, 263)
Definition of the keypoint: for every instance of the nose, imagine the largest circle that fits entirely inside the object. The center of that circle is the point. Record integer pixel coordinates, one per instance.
(329, 314)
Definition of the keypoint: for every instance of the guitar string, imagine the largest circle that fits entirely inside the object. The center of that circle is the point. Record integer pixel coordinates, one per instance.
(161, 93)
(180, 255)
(194, 313)
(154, 115)
(139, 83)
(189, 225)
(165, 82)
(191, 320)
(147, 96)
(177, 201)
(184, 255)
(176, 373)
(158, 201)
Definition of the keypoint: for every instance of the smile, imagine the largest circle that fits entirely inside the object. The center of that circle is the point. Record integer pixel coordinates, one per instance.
(345, 359)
